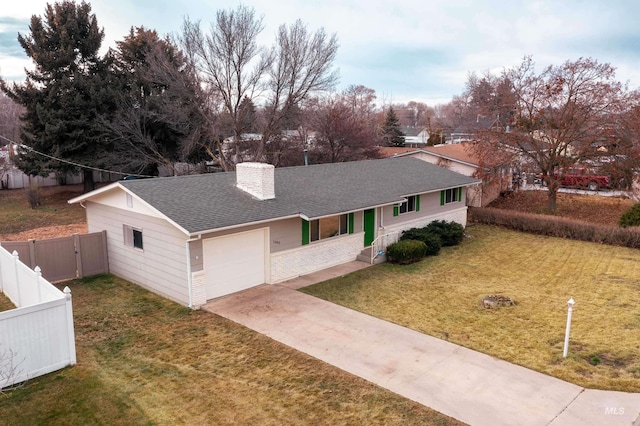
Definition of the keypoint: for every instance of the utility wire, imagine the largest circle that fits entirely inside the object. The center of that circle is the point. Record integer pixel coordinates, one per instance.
(28, 148)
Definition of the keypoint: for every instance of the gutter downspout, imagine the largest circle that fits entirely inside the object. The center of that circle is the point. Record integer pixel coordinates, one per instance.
(189, 280)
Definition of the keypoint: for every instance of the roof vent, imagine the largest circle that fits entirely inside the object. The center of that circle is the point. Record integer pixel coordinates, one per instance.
(256, 179)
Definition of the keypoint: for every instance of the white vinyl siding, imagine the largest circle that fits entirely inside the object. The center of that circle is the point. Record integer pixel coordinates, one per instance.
(429, 207)
(161, 267)
(132, 237)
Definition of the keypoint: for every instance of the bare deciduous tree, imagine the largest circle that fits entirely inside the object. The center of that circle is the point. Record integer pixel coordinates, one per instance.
(302, 64)
(361, 100)
(562, 116)
(623, 161)
(10, 112)
(340, 134)
(230, 63)
(234, 69)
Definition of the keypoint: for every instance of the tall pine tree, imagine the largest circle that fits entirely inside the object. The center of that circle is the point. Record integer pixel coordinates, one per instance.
(66, 95)
(157, 123)
(391, 133)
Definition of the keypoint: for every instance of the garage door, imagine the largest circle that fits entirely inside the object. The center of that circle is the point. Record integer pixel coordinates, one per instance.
(234, 262)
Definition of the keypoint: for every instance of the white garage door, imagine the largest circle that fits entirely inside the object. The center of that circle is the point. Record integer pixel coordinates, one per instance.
(234, 262)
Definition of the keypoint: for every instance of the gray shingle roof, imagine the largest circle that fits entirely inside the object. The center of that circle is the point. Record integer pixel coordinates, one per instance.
(200, 203)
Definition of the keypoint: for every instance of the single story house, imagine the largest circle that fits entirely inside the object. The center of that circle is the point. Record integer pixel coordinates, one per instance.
(415, 136)
(468, 130)
(460, 157)
(198, 237)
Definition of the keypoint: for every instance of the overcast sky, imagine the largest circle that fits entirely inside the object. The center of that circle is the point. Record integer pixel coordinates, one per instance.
(405, 50)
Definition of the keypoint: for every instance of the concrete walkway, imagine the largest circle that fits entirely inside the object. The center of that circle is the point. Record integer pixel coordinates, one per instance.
(467, 385)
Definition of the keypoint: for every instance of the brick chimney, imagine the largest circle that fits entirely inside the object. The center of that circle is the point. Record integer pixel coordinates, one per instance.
(256, 179)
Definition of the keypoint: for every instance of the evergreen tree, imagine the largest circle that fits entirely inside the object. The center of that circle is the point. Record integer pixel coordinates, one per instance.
(67, 93)
(391, 133)
(157, 119)
(248, 118)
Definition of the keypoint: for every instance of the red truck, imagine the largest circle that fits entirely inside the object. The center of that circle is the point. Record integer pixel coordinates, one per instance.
(580, 177)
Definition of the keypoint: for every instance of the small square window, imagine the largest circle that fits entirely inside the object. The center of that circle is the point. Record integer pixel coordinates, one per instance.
(133, 237)
(137, 238)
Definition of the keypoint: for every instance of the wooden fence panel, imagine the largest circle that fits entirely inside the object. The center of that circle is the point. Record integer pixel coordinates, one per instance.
(56, 257)
(23, 249)
(65, 258)
(91, 252)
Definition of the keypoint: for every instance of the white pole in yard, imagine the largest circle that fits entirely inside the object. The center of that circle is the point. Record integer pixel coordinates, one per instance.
(570, 303)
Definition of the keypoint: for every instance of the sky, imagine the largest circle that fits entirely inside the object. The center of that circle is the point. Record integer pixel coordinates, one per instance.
(421, 50)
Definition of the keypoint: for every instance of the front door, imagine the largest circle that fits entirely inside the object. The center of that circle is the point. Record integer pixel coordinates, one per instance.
(369, 226)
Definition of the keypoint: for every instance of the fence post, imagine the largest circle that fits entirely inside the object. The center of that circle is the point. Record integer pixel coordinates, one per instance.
(71, 338)
(32, 254)
(105, 254)
(38, 272)
(16, 259)
(1, 269)
(78, 249)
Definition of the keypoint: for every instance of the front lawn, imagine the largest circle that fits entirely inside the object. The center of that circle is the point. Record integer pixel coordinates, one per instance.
(442, 295)
(145, 360)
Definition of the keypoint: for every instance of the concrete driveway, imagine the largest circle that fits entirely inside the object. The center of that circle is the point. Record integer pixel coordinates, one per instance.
(467, 385)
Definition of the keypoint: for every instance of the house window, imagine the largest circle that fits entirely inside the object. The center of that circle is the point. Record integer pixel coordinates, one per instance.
(450, 196)
(315, 230)
(327, 227)
(133, 237)
(412, 204)
(409, 205)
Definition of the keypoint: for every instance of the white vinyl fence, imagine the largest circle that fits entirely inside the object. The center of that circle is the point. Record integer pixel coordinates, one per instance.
(13, 178)
(37, 337)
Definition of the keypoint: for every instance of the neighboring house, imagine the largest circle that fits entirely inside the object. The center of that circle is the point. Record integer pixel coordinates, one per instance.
(460, 158)
(415, 136)
(468, 130)
(198, 237)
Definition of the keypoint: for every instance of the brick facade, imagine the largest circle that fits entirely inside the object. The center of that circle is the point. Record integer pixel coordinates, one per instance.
(315, 257)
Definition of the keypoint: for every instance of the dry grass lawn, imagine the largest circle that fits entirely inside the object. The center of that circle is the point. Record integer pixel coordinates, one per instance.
(442, 295)
(145, 360)
(17, 216)
(5, 303)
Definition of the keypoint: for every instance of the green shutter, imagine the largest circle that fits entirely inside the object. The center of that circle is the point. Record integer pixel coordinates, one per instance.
(351, 222)
(460, 194)
(417, 203)
(305, 232)
(442, 195)
(396, 210)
